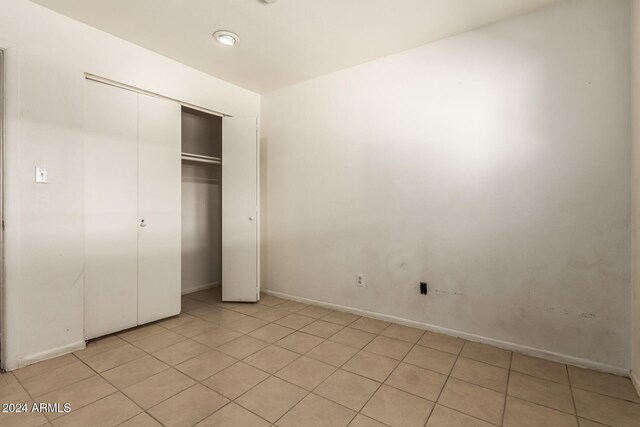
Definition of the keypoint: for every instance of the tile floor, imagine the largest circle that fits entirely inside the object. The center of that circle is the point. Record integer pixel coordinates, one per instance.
(285, 363)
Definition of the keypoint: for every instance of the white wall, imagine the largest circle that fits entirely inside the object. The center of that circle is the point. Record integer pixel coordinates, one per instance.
(46, 58)
(493, 165)
(635, 188)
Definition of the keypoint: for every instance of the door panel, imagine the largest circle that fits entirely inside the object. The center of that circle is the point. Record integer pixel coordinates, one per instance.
(239, 209)
(159, 190)
(111, 242)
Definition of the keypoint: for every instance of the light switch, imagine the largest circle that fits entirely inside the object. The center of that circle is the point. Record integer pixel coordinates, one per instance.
(41, 175)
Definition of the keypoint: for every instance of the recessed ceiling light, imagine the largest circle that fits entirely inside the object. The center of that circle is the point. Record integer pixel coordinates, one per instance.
(226, 37)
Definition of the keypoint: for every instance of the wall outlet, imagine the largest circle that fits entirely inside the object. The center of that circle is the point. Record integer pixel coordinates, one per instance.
(423, 288)
(360, 281)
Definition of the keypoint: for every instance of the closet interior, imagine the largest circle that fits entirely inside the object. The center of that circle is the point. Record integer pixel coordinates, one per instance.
(201, 200)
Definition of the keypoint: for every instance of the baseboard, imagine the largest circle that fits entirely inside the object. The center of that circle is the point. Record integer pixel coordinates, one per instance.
(531, 351)
(200, 288)
(635, 380)
(49, 354)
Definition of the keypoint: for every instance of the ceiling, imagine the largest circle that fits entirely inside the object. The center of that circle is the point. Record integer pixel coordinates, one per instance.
(288, 41)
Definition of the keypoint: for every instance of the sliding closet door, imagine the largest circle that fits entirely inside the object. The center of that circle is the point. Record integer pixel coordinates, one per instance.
(159, 189)
(239, 210)
(111, 204)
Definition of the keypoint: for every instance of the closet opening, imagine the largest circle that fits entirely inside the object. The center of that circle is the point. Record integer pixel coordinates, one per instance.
(201, 201)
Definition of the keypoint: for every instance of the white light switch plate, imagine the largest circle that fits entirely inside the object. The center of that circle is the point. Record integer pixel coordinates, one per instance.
(41, 175)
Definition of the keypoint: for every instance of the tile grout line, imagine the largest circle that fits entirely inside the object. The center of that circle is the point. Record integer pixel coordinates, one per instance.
(506, 392)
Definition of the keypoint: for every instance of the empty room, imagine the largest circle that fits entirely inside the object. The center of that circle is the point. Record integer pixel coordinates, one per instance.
(335, 213)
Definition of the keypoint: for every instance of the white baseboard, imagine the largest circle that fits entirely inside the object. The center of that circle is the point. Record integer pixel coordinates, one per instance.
(197, 288)
(49, 354)
(635, 380)
(531, 351)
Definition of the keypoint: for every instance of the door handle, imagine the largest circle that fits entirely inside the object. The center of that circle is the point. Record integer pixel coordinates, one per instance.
(142, 223)
(252, 218)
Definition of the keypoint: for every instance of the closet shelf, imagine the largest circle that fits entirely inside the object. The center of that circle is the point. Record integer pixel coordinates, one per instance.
(200, 158)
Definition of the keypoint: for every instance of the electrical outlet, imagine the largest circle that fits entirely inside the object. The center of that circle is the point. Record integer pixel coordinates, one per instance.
(360, 281)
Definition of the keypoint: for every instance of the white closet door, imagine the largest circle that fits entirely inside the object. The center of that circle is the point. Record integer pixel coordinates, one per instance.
(239, 210)
(111, 202)
(159, 190)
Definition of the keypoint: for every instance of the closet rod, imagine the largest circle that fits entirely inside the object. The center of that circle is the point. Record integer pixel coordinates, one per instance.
(184, 154)
(110, 82)
(196, 159)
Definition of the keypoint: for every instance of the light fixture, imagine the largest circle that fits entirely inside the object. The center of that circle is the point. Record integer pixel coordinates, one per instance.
(226, 37)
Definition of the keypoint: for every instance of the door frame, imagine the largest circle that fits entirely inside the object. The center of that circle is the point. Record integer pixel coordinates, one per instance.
(2, 181)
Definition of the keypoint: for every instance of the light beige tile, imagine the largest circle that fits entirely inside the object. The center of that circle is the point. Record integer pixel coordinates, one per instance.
(397, 408)
(404, 333)
(418, 381)
(371, 365)
(97, 346)
(111, 411)
(473, 400)
(293, 306)
(212, 313)
(299, 342)
(22, 419)
(487, 354)
(442, 342)
(295, 321)
(542, 392)
(428, 358)
(188, 305)
(271, 333)
(111, 358)
(243, 346)
(315, 411)
(216, 336)
(210, 296)
(206, 364)
(481, 374)
(271, 359)
(353, 337)
(233, 415)
(271, 398)
(178, 353)
(235, 380)
(271, 314)
(322, 329)
(140, 332)
(389, 347)
(79, 394)
(602, 383)
(45, 366)
(249, 308)
(193, 328)
(245, 325)
(541, 368)
(45, 382)
(11, 390)
(520, 413)
(588, 423)
(347, 389)
(133, 372)
(370, 325)
(226, 317)
(315, 311)
(270, 300)
(175, 321)
(445, 417)
(341, 318)
(362, 421)
(159, 341)
(333, 353)
(188, 407)
(606, 410)
(141, 420)
(305, 372)
(157, 388)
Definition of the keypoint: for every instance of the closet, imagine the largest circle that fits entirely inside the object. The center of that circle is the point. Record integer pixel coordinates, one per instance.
(152, 165)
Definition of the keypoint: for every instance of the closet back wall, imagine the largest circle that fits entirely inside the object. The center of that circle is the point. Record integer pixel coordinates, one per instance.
(47, 57)
(493, 165)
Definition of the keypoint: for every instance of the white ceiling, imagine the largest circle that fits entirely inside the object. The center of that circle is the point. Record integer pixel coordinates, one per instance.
(288, 41)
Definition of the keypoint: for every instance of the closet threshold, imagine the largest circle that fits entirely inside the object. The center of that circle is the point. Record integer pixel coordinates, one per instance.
(199, 158)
